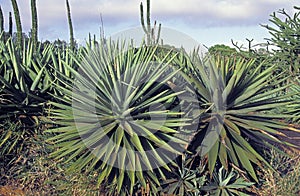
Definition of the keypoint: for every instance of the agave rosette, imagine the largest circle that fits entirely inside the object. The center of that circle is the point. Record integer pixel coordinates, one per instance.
(120, 116)
(240, 98)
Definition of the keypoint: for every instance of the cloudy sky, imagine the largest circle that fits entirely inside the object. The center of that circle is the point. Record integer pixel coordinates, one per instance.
(207, 21)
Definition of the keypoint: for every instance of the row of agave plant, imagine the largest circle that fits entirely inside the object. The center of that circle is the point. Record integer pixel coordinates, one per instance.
(131, 114)
(149, 118)
(146, 117)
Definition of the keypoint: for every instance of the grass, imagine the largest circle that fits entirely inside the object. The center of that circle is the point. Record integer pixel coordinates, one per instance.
(33, 173)
(286, 179)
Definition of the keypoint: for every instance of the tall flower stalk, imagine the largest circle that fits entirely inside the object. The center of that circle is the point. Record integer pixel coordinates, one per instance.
(18, 23)
(34, 29)
(10, 25)
(1, 21)
(72, 42)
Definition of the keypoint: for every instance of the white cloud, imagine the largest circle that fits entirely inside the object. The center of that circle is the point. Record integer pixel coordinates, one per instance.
(199, 11)
(193, 13)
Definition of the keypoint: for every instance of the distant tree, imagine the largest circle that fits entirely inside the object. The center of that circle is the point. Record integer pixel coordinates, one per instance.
(46, 42)
(18, 23)
(60, 44)
(24, 37)
(222, 49)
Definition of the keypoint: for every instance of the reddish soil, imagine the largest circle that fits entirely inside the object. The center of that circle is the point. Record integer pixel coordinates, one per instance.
(292, 136)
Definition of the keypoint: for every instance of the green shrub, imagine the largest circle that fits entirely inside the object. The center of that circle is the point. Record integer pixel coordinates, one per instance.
(185, 179)
(285, 36)
(227, 184)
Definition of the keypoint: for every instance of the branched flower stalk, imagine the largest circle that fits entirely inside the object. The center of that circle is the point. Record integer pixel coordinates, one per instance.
(149, 31)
